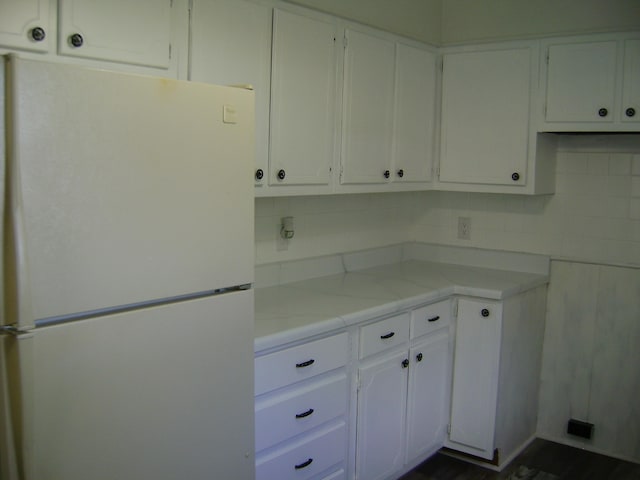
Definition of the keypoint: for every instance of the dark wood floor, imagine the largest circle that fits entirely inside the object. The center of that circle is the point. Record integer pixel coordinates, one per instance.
(542, 460)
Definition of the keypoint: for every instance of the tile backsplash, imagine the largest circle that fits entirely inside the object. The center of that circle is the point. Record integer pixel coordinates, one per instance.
(594, 215)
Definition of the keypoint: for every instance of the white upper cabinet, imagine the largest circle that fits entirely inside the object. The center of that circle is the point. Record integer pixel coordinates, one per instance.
(630, 111)
(231, 45)
(592, 84)
(415, 114)
(303, 100)
(368, 107)
(137, 32)
(488, 141)
(581, 82)
(25, 24)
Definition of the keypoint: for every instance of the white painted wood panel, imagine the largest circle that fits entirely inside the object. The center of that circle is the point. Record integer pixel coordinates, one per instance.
(18, 18)
(368, 97)
(303, 99)
(485, 116)
(142, 36)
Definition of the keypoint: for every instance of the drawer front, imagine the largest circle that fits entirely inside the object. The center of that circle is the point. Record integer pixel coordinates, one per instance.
(281, 416)
(384, 334)
(426, 319)
(306, 458)
(339, 475)
(299, 363)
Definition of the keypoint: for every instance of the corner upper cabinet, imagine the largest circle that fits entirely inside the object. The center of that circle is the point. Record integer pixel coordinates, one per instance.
(488, 137)
(26, 25)
(231, 45)
(368, 108)
(303, 101)
(138, 33)
(415, 114)
(592, 84)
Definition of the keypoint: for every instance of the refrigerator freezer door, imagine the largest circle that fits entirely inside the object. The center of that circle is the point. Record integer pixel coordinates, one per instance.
(160, 393)
(125, 188)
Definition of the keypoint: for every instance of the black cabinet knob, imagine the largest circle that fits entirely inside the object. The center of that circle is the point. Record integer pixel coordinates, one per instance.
(484, 312)
(386, 173)
(281, 174)
(401, 173)
(38, 34)
(419, 357)
(515, 176)
(259, 174)
(405, 363)
(76, 40)
(630, 112)
(603, 112)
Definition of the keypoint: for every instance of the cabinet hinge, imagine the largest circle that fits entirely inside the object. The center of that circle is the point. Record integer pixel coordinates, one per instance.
(547, 57)
(455, 308)
(442, 64)
(449, 428)
(345, 41)
(169, 51)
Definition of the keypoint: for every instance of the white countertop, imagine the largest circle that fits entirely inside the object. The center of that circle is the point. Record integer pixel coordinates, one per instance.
(300, 309)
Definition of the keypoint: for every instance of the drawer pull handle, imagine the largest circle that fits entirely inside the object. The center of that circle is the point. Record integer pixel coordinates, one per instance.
(434, 319)
(303, 464)
(304, 414)
(305, 364)
(388, 335)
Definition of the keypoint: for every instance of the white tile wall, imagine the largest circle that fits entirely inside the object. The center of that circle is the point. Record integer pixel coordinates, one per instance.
(594, 214)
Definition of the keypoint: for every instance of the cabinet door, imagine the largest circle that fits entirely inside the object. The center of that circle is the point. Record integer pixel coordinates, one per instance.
(630, 111)
(381, 415)
(118, 30)
(231, 45)
(367, 108)
(581, 82)
(485, 117)
(303, 96)
(475, 376)
(414, 114)
(428, 402)
(24, 24)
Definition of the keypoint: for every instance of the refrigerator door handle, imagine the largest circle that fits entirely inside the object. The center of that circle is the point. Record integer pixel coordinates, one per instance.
(21, 315)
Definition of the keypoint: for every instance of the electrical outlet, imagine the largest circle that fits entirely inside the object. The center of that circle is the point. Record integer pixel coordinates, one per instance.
(464, 228)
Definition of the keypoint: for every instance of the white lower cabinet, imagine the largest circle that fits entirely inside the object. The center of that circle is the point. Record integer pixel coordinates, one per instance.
(496, 375)
(301, 410)
(403, 391)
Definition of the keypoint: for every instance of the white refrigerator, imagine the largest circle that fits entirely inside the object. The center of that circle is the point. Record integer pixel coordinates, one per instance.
(126, 345)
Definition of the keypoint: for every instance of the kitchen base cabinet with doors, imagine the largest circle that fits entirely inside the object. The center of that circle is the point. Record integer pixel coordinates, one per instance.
(496, 374)
(403, 391)
(301, 410)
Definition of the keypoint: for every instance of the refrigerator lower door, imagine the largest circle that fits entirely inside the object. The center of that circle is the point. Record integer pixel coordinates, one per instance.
(160, 393)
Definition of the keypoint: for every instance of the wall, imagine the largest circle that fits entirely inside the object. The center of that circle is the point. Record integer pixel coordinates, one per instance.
(594, 214)
(466, 21)
(418, 19)
(330, 224)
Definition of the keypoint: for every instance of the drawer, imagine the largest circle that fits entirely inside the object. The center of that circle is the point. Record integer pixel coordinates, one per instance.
(299, 363)
(426, 319)
(384, 334)
(306, 458)
(284, 415)
(339, 475)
